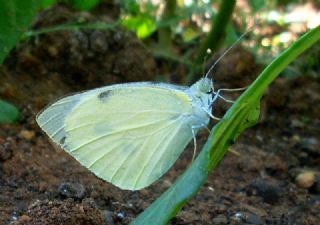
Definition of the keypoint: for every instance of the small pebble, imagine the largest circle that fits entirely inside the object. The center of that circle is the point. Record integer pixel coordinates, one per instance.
(27, 134)
(15, 215)
(264, 189)
(310, 143)
(297, 123)
(53, 51)
(108, 219)
(72, 190)
(130, 205)
(166, 183)
(24, 218)
(254, 219)
(220, 219)
(211, 188)
(305, 179)
(239, 216)
(121, 216)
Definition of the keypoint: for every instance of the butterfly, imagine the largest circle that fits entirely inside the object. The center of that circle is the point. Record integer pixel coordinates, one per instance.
(130, 134)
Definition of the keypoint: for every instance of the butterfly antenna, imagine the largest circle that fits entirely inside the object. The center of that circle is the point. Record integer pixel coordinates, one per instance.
(231, 47)
(205, 58)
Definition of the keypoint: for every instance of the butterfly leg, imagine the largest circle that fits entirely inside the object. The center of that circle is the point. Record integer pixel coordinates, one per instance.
(214, 98)
(211, 115)
(207, 129)
(194, 143)
(223, 98)
(193, 128)
(233, 89)
(217, 94)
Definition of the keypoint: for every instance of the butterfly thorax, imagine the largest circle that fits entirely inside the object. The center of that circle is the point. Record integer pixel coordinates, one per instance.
(201, 96)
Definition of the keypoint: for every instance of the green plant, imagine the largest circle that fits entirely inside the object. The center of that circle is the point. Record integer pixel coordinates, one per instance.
(142, 22)
(84, 5)
(218, 29)
(16, 17)
(243, 114)
(8, 112)
(214, 39)
(164, 33)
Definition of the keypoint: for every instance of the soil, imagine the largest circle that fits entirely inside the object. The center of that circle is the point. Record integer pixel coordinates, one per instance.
(267, 182)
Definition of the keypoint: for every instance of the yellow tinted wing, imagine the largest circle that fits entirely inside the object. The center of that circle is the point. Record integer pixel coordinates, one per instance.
(128, 136)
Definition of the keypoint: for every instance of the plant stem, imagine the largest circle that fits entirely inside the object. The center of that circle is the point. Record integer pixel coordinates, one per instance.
(164, 33)
(218, 27)
(214, 38)
(282, 61)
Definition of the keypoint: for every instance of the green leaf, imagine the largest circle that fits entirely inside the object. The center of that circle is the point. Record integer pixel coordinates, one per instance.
(84, 5)
(257, 5)
(243, 114)
(143, 25)
(190, 33)
(16, 17)
(130, 7)
(8, 113)
(47, 3)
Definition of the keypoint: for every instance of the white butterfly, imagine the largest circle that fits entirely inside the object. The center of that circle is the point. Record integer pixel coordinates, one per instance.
(130, 134)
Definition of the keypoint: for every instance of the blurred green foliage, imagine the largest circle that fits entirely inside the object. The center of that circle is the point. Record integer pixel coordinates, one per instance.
(143, 25)
(150, 11)
(8, 112)
(257, 5)
(16, 17)
(83, 5)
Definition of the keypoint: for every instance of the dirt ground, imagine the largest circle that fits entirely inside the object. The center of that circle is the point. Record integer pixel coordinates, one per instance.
(275, 178)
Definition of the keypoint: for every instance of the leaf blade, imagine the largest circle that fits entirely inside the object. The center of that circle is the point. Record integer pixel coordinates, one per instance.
(8, 113)
(16, 17)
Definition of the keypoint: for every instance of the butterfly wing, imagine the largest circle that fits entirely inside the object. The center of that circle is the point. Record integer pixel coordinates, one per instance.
(129, 135)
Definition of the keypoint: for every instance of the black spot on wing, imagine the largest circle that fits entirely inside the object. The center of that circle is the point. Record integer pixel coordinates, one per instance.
(62, 140)
(104, 95)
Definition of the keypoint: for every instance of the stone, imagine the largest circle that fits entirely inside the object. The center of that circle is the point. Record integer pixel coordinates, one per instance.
(72, 190)
(24, 218)
(27, 134)
(220, 219)
(108, 217)
(254, 219)
(305, 179)
(269, 192)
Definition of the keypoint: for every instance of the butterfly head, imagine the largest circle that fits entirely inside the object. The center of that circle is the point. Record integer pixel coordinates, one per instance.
(202, 91)
(205, 85)
(201, 94)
